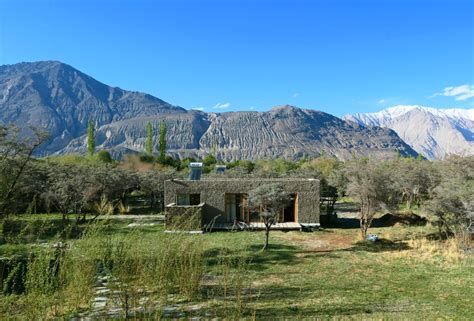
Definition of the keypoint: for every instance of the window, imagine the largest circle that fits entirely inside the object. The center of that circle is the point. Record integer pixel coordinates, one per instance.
(236, 207)
(188, 199)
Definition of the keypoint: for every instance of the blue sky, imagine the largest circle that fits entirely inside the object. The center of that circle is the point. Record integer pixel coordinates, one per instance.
(336, 56)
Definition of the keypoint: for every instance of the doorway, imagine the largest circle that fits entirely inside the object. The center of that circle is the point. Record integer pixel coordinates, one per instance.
(290, 212)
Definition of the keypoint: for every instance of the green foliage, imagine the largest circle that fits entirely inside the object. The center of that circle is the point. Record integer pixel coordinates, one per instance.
(16, 170)
(243, 167)
(104, 156)
(57, 282)
(209, 160)
(90, 138)
(268, 199)
(184, 163)
(452, 199)
(326, 166)
(223, 275)
(370, 185)
(162, 141)
(214, 149)
(149, 139)
(278, 166)
(104, 206)
(147, 158)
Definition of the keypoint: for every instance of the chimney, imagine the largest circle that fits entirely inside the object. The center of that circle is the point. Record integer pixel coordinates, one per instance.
(195, 170)
(220, 169)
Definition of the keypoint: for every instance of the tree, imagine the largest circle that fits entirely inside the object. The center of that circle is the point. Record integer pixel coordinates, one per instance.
(90, 139)
(77, 188)
(269, 199)
(104, 156)
(69, 188)
(453, 199)
(369, 184)
(16, 154)
(162, 141)
(413, 179)
(209, 160)
(149, 139)
(152, 185)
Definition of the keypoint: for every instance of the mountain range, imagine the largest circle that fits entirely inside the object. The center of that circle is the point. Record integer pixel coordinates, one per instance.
(435, 133)
(60, 99)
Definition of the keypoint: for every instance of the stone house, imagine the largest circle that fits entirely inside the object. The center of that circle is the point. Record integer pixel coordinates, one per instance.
(220, 201)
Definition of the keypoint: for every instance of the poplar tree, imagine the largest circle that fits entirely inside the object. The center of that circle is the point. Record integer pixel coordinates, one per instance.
(162, 141)
(90, 139)
(149, 139)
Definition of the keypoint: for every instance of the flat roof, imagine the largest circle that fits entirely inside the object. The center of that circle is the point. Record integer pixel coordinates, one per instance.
(217, 179)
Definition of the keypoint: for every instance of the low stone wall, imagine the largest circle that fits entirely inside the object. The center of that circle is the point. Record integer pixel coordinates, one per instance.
(180, 217)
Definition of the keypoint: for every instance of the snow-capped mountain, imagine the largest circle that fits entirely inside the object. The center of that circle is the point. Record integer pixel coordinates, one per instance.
(432, 132)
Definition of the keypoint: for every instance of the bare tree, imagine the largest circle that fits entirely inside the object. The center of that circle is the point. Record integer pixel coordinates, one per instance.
(16, 153)
(369, 184)
(453, 199)
(269, 199)
(414, 179)
(152, 185)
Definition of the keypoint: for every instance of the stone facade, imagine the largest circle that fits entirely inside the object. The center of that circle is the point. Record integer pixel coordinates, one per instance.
(184, 217)
(213, 192)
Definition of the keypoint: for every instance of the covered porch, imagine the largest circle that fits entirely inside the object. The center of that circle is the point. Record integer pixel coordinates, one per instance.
(237, 208)
(284, 226)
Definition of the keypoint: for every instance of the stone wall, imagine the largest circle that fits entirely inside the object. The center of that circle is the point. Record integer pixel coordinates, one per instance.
(213, 194)
(184, 217)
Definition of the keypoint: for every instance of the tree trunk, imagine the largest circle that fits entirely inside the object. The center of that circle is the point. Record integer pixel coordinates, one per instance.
(363, 231)
(267, 233)
(364, 223)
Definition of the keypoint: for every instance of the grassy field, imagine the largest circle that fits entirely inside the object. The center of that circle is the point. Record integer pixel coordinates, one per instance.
(326, 274)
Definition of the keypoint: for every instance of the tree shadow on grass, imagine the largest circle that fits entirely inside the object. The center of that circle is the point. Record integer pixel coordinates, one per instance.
(386, 220)
(381, 245)
(258, 260)
(294, 311)
(275, 254)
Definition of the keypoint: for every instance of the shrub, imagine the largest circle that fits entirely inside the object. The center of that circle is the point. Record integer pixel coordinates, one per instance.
(104, 156)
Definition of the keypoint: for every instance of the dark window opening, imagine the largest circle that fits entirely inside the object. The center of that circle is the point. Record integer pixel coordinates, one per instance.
(188, 199)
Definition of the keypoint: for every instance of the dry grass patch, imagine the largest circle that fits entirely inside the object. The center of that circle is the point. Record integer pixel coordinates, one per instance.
(271, 279)
(323, 241)
(434, 251)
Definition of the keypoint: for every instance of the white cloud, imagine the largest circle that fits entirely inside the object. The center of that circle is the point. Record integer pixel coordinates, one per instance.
(198, 108)
(459, 93)
(296, 94)
(252, 107)
(382, 101)
(221, 105)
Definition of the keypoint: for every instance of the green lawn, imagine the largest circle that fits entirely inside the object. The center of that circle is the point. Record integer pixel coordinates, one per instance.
(323, 274)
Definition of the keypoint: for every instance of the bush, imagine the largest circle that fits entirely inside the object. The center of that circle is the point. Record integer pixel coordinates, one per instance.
(147, 158)
(104, 156)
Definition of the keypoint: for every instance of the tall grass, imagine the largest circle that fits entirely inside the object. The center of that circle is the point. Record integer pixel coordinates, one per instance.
(60, 282)
(142, 273)
(446, 251)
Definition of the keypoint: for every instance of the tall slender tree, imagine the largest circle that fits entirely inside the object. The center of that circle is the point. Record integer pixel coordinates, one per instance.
(162, 141)
(149, 139)
(90, 138)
